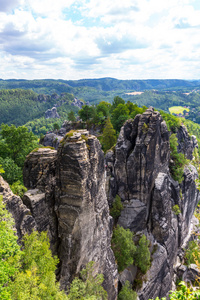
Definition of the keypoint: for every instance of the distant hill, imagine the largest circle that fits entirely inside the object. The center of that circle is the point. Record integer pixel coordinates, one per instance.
(18, 106)
(49, 86)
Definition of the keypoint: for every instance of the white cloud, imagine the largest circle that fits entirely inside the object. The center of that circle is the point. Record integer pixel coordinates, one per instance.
(95, 38)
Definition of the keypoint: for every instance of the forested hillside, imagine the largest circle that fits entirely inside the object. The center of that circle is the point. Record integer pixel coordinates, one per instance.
(161, 94)
(18, 106)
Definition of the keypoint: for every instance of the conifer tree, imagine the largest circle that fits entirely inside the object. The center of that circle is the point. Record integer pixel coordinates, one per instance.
(109, 136)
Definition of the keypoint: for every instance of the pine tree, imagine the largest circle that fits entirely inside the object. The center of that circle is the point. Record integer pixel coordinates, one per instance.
(109, 136)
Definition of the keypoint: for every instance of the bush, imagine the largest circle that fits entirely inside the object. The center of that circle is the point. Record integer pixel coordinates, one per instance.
(123, 247)
(176, 209)
(18, 189)
(116, 207)
(127, 293)
(178, 160)
(89, 286)
(12, 172)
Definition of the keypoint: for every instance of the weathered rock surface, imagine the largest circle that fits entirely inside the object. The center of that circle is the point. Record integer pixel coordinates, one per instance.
(39, 178)
(52, 139)
(52, 113)
(186, 144)
(82, 209)
(138, 171)
(67, 198)
(24, 222)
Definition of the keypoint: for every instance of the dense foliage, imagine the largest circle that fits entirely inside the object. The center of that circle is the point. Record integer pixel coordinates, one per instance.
(109, 137)
(178, 160)
(15, 144)
(142, 255)
(87, 286)
(183, 293)
(123, 247)
(127, 293)
(127, 253)
(29, 273)
(116, 208)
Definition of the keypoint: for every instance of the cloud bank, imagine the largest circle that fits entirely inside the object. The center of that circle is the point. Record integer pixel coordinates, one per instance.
(132, 39)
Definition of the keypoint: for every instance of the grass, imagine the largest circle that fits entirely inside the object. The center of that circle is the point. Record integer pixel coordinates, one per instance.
(177, 109)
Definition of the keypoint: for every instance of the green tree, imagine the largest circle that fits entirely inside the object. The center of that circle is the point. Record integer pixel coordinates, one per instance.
(116, 101)
(104, 108)
(56, 126)
(127, 293)
(1, 170)
(18, 143)
(142, 255)
(89, 286)
(86, 113)
(37, 279)
(18, 188)
(109, 136)
(9, 252)
(71, 116)
(123, 247)
(178, 160)
(117, 207)
(12, 172)
(119, 116)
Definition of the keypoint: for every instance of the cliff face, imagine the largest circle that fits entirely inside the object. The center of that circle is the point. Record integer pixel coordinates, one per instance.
(67, 197)
(138, 172)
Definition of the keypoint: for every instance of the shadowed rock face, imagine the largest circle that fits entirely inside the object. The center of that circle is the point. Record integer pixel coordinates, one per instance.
(24, 222)
(186, 144)
(138, 172)
(67, 198)
(82, 209)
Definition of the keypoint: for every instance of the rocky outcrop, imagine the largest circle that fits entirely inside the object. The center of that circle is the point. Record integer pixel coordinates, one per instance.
(67, 198)
(78, 103)
(53, 139)
(39, 178)
(186, 144)
(52, 113)
(82, 209)
(138, 171)
(24, 222)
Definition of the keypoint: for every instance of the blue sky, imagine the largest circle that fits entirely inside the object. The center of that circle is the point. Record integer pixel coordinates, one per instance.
(72, 39)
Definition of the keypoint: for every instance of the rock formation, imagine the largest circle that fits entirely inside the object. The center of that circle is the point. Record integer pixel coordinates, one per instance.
(24, 222)
(67, 197)
(138, 172)
(51, 113)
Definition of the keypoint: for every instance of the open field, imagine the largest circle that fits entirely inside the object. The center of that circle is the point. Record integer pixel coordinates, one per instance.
(177, 109)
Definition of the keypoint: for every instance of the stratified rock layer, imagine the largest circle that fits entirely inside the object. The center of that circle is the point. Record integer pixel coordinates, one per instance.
(82, 209)
(67, 198)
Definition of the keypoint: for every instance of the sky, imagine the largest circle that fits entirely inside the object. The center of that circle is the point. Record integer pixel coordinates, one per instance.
(124, 39)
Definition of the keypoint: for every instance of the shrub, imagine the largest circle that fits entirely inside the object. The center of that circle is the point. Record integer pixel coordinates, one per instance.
(178, 160)
(18, 188)
(116, 207)
(89, 286)
(176, 209)
(127, 293)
